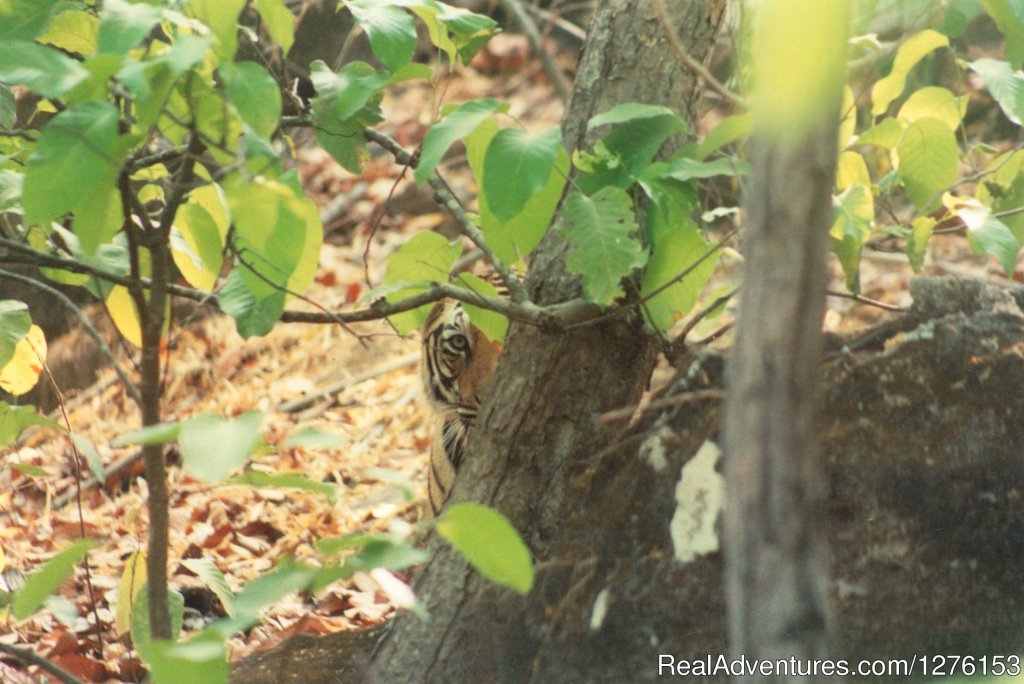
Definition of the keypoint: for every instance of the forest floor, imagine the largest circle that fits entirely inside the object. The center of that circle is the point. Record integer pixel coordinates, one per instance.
(374, 408)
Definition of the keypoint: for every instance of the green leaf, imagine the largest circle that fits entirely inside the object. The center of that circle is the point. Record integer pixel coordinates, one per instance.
(211, 446)
(1009, 16)
(123, 25)
(493, 324)
(458, 124)
(376, 551)
(938, 103)
(10, 186)
(457, 32)
(917, 241)
(601, 230)
(1003, 190)
(161, 433)
(638, 132)
(79, 154)
(278, 237)
(213, 578)
(28, 469)
(517, 165)
(98, 217)
(280, 22)
(392, 32)
(515, 238)
(286, 481)
(254, 313)
(140, 628)
(1005, 84)
(988, 235)
(41, 69)
(14, 325)
(222, 18)
(851, 230)
(676, 244)
(26, 19)
(489, 542)
(311, 438)
(342, 137)
(44, 581)
(908, 55)
(287, 577)
(928, 160)
(729, 129)
(885, 134)
(395, 478)
(683, 169)
(201, 659)
(425, 257)
(92, 457)
(72, 31)
(254, 93)
(15, 419)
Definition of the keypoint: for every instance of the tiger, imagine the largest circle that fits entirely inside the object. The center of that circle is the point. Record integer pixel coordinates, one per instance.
(457, 365)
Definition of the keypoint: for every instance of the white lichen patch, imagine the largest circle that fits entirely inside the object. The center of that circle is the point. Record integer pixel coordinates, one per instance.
(700, 496)
(652, 449)
(600, 610)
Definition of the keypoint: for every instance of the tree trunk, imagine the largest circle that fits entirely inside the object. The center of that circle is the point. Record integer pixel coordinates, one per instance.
(776, 570)
(538, 427)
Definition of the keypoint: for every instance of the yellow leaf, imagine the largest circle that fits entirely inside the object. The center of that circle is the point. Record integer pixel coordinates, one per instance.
(909, 54)
(852, 170)
(122, 311)
(937, 103)
(22, 372)
(201, 227)
(132, 580)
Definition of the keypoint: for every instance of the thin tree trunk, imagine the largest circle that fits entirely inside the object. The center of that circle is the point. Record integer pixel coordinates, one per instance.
(776, 553)
(538, 427)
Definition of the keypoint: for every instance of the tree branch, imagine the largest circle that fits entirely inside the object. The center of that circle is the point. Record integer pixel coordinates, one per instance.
(560, 83)
(30, 657)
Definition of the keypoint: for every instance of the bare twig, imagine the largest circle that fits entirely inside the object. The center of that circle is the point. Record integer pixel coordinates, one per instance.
(342, 385)
(627, 412)
(563, 24)
(689, 62)
(560, 83)
(30, 657)
(865, 300)
(78, 498)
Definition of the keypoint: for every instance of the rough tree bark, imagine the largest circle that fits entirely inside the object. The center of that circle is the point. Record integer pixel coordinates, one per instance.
(538, 423)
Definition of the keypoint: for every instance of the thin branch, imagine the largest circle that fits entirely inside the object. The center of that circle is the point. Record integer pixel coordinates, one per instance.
(30, 657)
(560, 83)
(305, 402)
(627, 412)
(298, 295)
(563, 24)
(18, 133)
(865, 300)
(704, 313)
(78, 498)
(87, 325)
(689, 62)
